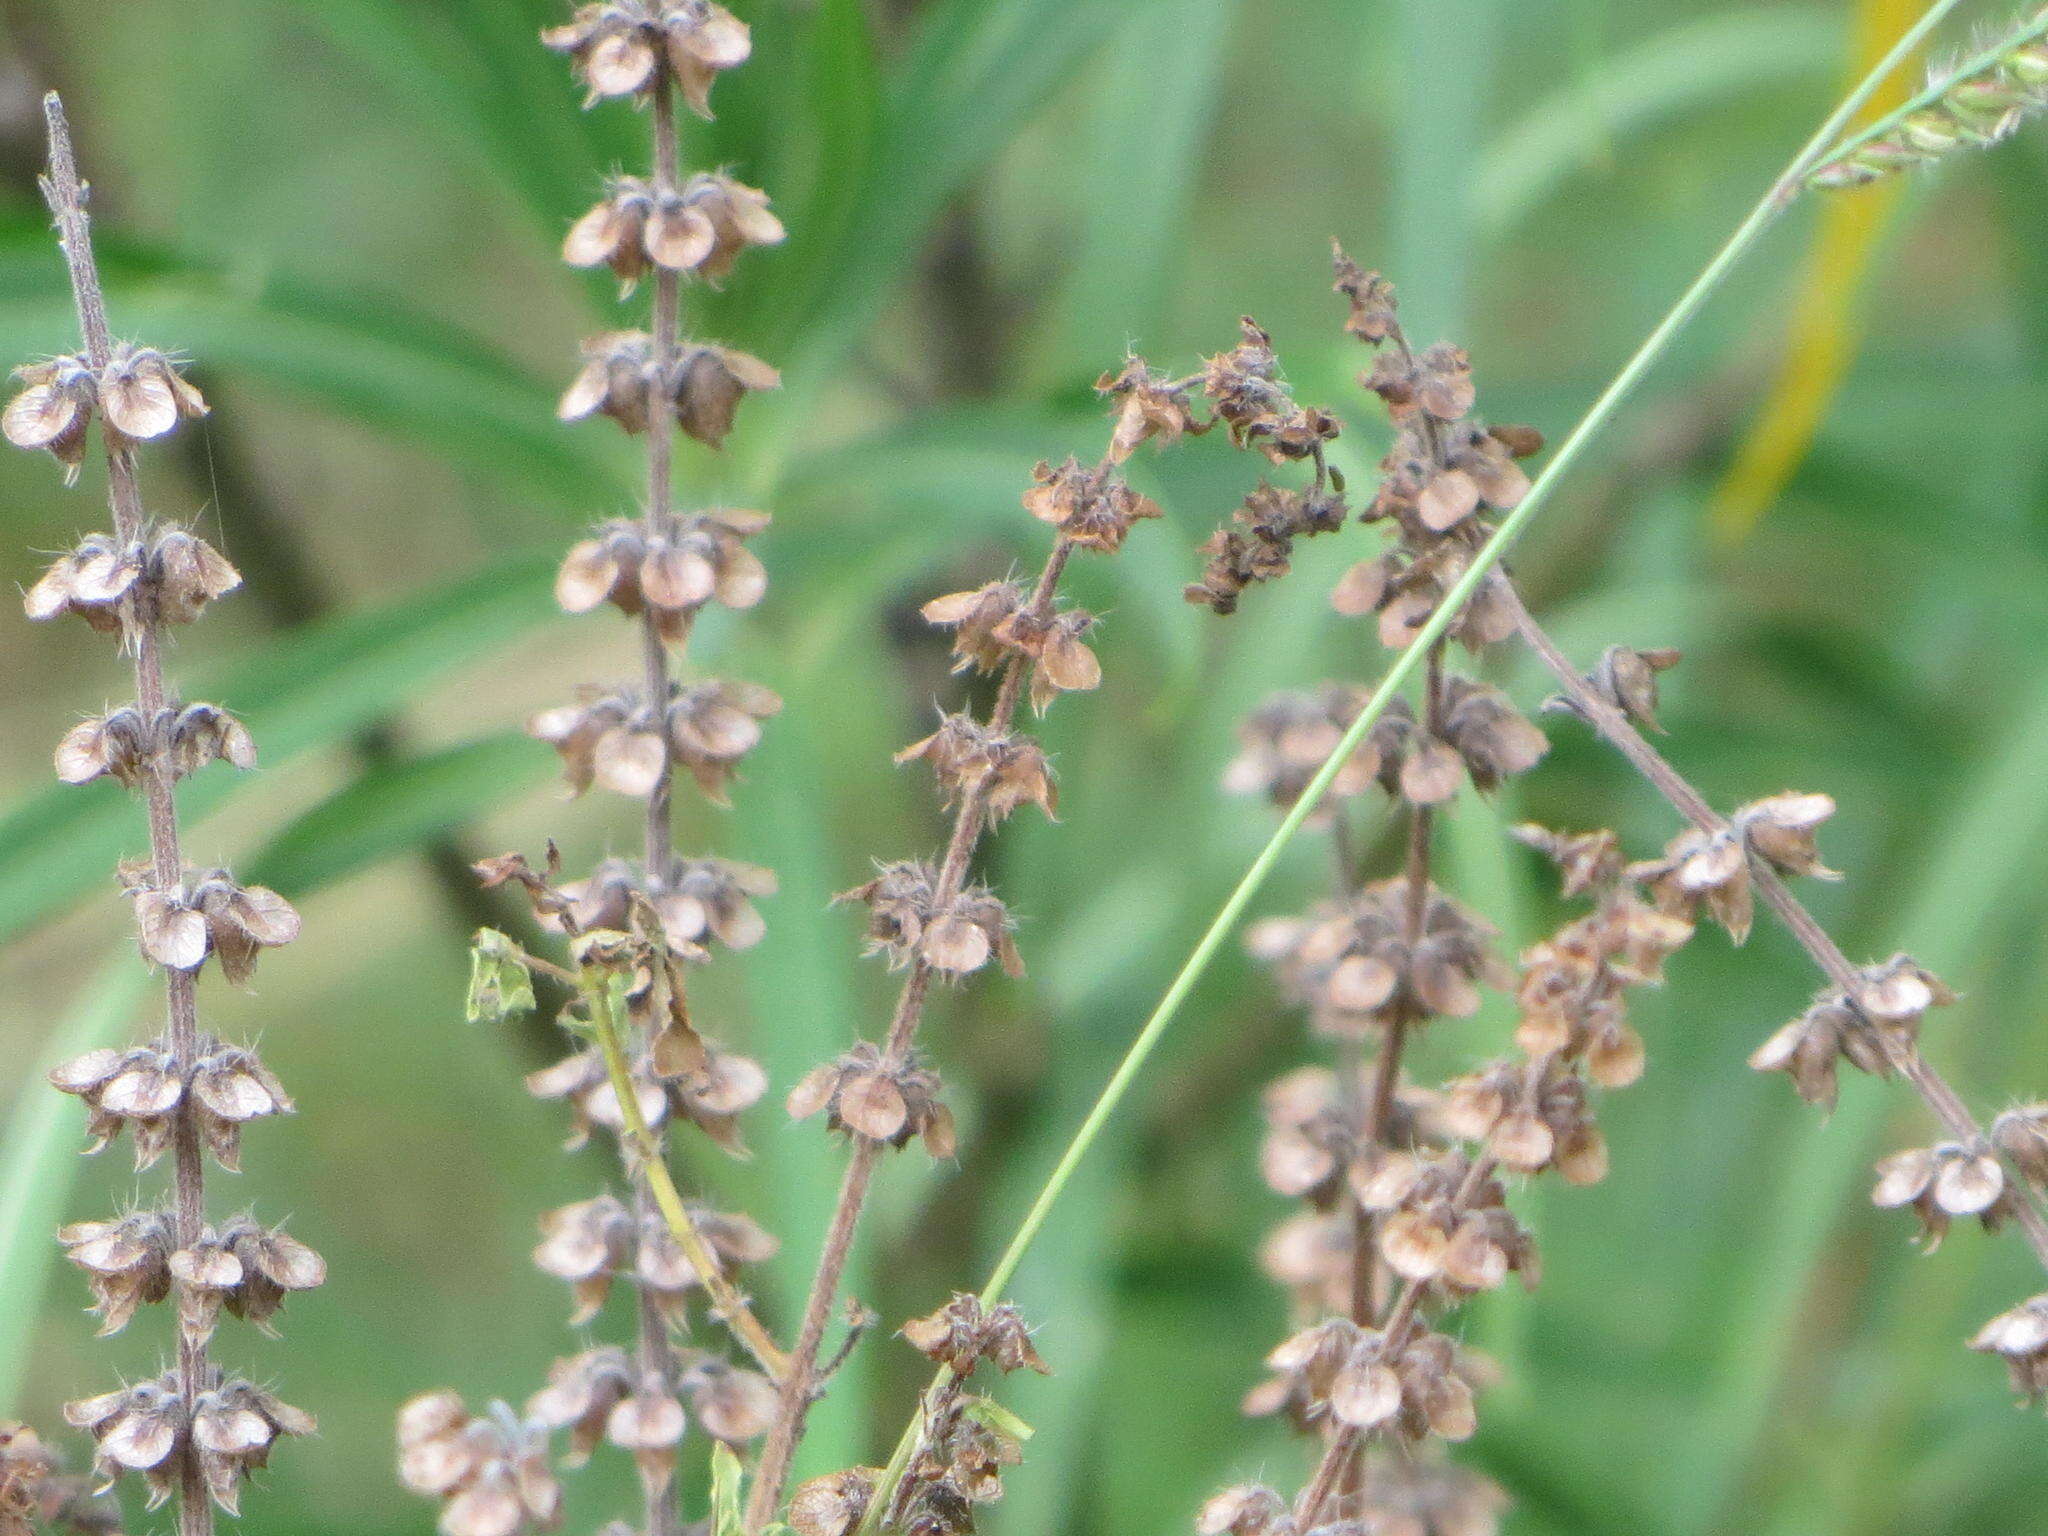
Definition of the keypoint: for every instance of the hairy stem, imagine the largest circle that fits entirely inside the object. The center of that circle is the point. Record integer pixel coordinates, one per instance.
(67, 196)
(1942, 1099)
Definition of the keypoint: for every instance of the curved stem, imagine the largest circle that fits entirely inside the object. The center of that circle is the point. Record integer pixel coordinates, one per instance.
(730, 1305)
(1935, 1091)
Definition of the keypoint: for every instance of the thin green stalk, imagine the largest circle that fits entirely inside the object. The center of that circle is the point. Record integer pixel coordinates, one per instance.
(1783, 191)
(1941, 85)
(731, 1306)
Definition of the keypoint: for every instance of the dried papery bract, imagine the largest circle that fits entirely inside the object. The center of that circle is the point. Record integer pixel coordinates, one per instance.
(640, 1069)
(194, 1432)
(1404, 1188)
(932, 921)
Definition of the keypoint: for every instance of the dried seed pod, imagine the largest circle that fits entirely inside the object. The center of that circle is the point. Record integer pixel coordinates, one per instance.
(1006, 769)
(245, 1267)
(906, 923)
(863, 1095)
(146, 1087)
(1495, 740)
(1092, 508)
(2021, 1134)
(702, 387)
(207, 913)
(1626, 678)
(832, 1505)
(1943, 1181)
(976, 619)
(702, 227)
(1351, 963)
(581, 1392)
(619, 47)
(1374, 315)
(712, 1093)
(1290, 736)
(1261, 547)
(121, 743)
(126, 1261)
(146, 1428)
(139, 394)
(1249, 1509)
(167, 573)
(1253, 404)
(963, 1333)
(731, 1403)
(35, 1494)
(1147, 407)
(2020, 1338)
(670, 570)
(491, 1471)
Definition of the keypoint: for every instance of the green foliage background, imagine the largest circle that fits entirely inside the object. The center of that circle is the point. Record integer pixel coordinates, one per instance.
(346, 211)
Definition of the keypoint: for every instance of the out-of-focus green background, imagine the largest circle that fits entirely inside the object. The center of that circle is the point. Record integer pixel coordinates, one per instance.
(347, 210)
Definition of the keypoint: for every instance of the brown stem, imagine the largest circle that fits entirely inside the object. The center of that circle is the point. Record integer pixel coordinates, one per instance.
(67, 194)
(1345, 1448)
(799, 1386)
(1934, 1090)
(663, 1512)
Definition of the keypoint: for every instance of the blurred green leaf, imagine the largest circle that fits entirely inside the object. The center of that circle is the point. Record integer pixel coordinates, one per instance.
(39, 1160)
(393, 809)
(1687, 68)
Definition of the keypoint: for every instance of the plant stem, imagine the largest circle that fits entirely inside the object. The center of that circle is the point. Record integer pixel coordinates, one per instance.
(664, 1518)
(730, 1305)
(1780, 196)
(800, 1385)
(67, 196)
(1941, 1098)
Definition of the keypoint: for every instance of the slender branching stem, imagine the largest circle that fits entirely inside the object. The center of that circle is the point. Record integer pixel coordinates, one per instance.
(1942, 1099)
(67, 195)
(799, 1386)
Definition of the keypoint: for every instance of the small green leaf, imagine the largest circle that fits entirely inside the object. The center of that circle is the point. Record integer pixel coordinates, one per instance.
(500, 985)
(990, 1414)
(725, 1491)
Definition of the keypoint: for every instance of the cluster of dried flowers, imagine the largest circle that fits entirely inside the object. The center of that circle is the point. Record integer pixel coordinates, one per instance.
(1405, 1209)
(36, 1494)
(641, 1068)
(195, 1431)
